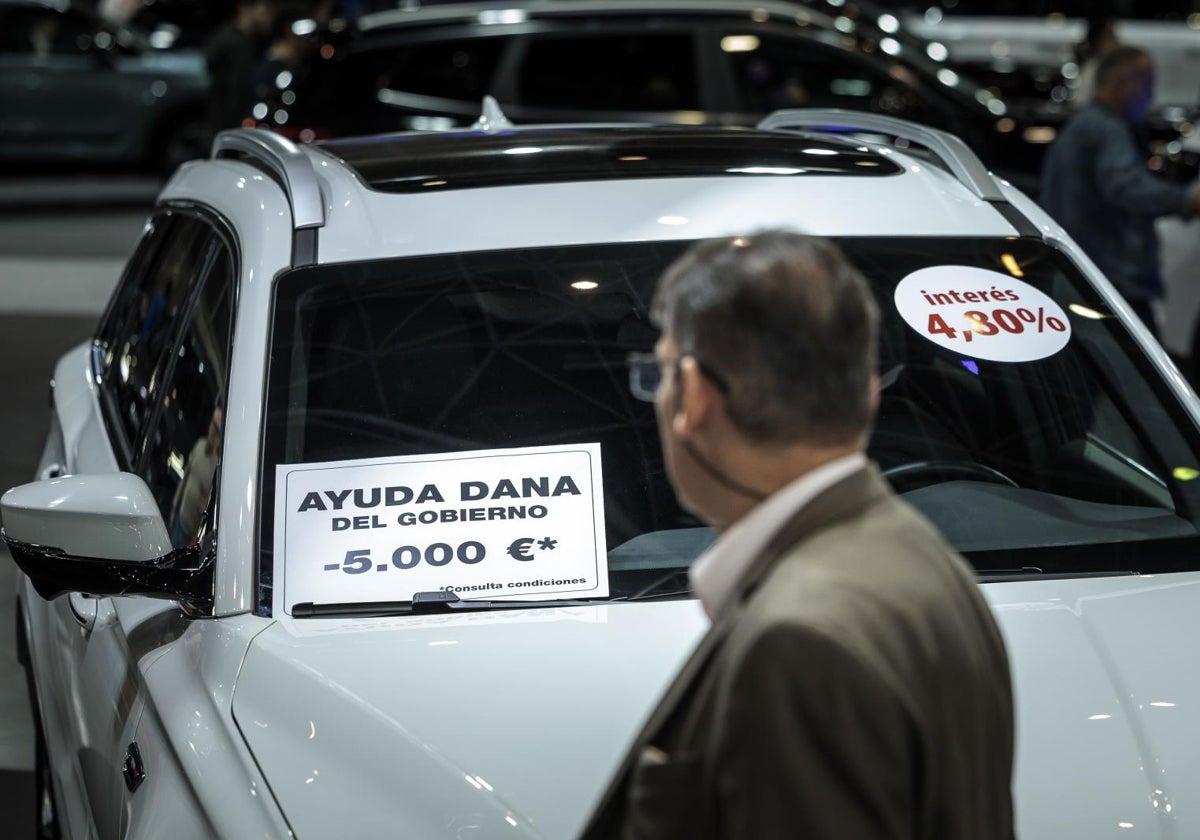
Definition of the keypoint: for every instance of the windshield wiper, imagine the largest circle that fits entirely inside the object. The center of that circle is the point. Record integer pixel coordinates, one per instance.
(658, 589)
(441, 602)
(426, 603)
(1026, 572)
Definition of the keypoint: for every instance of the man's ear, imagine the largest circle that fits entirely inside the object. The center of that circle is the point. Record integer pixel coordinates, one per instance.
(696, 399)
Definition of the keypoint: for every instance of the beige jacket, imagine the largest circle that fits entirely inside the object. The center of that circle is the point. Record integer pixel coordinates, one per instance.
(858, 687)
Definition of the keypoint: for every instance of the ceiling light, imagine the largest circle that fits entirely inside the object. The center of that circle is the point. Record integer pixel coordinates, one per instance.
(739, 43)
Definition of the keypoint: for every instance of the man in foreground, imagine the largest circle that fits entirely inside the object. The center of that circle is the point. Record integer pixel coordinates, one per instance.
(853, 683)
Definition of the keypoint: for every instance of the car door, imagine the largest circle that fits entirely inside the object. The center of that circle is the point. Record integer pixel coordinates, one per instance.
(179, 462)
(100, 645)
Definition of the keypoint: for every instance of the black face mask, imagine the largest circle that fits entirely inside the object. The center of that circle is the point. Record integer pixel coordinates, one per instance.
(721, 478)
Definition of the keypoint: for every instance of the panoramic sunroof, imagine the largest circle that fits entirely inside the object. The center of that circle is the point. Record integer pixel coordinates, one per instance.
(412, 163)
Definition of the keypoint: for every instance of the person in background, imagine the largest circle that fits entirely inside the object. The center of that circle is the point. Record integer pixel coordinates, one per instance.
(1096, 185)
(293, 39)
(232, 53)
(1100, 37)
(853, 683)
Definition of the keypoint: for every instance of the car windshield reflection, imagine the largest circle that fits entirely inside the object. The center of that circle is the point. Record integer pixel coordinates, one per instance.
(1069, 456)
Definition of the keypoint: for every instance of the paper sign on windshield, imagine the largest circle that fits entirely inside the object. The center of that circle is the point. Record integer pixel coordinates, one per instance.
(500, 523)
(981, 313)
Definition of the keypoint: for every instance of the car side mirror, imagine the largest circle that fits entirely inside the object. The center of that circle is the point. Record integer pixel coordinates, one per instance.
(100, 534)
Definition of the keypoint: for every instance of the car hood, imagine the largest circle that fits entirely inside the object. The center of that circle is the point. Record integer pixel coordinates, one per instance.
(489, 724)
(1106, 674)
(503, 724)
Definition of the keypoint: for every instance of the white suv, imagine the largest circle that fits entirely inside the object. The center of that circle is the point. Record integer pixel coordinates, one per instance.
(352, 519)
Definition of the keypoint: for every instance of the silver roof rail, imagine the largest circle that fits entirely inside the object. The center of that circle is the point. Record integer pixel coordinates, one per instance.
(285, 159)
(953, 152)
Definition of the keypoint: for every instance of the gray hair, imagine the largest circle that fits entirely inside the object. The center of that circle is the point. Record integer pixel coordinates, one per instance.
(787, 323)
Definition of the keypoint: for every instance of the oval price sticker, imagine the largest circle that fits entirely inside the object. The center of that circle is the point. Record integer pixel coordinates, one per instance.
(982, 313)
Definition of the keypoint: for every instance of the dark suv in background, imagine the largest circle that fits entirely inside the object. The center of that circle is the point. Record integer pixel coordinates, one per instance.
(76, 89)
(725, 62)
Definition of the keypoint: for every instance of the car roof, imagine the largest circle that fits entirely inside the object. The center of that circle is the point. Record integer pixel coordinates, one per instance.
(500, 187)
(517, 11)
(421, 162)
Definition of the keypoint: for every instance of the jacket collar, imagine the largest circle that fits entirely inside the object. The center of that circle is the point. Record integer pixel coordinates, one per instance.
(842, 500)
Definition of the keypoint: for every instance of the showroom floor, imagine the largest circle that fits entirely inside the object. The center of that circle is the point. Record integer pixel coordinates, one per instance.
(57, 267)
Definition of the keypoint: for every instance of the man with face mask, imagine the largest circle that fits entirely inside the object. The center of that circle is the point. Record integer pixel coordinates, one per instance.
(1096, 185)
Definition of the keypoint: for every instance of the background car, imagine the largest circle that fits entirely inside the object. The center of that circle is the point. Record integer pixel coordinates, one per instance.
(1040, 37)
(75, 89)
(309, 338)
(179, 24)
(719, 63)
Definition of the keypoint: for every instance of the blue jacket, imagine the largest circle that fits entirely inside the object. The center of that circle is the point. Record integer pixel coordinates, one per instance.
(1096, 185)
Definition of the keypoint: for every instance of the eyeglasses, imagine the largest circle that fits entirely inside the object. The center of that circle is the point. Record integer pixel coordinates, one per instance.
(645, 375)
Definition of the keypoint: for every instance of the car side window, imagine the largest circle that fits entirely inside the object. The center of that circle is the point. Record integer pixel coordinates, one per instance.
(773, 72)
(184, 445)
(143, 321)
(461, 69)
(611, 72)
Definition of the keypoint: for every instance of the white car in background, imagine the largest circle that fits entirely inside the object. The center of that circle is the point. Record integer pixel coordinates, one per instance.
(352, 519)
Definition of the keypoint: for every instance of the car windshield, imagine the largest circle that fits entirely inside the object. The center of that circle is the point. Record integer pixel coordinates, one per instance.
(1069, 456)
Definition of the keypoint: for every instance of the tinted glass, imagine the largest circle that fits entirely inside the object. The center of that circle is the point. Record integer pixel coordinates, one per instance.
(1060, 463)
(773, 72)
(143, 321)
(460, 69)
(611, 72)
(185, 446)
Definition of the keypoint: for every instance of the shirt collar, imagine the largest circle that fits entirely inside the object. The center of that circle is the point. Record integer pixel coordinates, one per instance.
(715, 574)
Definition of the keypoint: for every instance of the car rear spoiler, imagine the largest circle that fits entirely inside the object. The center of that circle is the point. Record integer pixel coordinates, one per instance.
(953, 153)
(948, 150)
